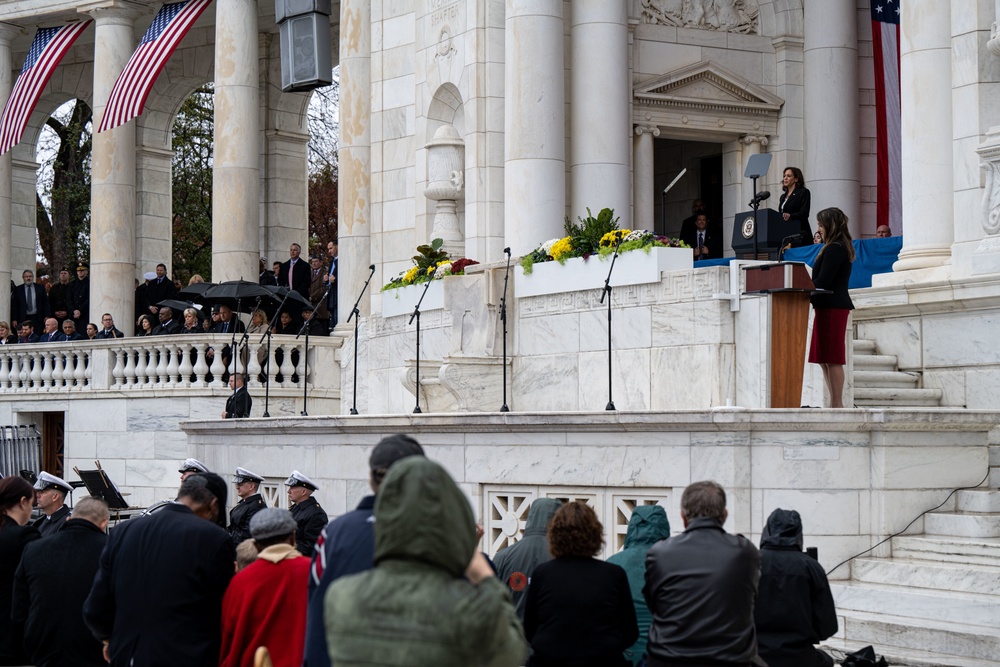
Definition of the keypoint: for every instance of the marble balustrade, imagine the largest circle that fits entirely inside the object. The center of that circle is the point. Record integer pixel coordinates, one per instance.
(162, 362)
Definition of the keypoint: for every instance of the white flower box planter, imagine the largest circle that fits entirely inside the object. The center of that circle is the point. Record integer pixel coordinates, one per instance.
(632, 268)
(401, 300)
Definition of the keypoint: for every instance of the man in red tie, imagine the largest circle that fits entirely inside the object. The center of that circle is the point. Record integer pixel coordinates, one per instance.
(295, 272)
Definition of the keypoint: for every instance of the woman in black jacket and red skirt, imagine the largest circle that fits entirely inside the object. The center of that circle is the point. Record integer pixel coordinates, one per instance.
(832, 271)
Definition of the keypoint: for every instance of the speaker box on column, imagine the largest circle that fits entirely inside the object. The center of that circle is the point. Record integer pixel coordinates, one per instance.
(304, 30)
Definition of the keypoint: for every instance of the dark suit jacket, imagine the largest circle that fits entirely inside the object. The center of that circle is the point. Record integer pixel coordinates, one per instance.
(54, 337)
(19, 305)
(301, 274)
(238, 404)
(171, 327)
(13, 540)
(158, 591)
(711, 242)
(114, 333)
(156, 292)
(79, 299)
(51, 584)
(331, 299)
(797, 207)
(33, 338)
(235, 324)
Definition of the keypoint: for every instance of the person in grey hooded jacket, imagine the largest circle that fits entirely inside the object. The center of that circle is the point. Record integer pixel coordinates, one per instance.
(647, 526)
(795, 608)
(516, 563)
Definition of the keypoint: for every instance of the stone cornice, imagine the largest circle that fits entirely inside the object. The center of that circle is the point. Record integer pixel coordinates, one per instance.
(684, 89)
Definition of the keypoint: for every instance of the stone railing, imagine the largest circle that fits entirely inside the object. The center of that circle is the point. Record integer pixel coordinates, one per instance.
(160, 362)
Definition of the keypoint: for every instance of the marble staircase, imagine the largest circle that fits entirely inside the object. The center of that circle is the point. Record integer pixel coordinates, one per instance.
(936, 600)
(878, 382)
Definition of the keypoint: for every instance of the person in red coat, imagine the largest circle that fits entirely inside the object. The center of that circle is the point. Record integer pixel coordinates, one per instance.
(265, 604)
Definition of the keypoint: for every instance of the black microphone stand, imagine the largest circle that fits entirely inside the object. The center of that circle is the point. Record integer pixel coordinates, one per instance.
(503, 318)
(305, 352)
(416, 314)
(606, 292)
(267, 371)
(356, 316)
(755, 203)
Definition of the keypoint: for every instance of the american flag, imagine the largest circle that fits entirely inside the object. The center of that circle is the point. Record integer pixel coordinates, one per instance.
(47, 50)
(885, 43)
(128, 97)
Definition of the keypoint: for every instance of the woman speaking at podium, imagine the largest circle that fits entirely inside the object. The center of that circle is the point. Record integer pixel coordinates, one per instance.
(794, 202)
(832, 271)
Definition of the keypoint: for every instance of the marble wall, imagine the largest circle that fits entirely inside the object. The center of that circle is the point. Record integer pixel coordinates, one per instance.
(854, 475)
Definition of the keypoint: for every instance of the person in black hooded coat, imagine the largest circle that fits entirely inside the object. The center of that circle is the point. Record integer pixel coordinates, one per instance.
(795, 608)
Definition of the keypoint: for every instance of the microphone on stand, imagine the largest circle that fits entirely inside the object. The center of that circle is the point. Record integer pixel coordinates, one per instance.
(759, 197)
(507, 251)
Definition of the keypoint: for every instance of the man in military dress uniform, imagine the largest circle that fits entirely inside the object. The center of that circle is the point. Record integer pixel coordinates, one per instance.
(308, 515)
(50, 494)
(250, 503)
(190, 467)
(78, 299)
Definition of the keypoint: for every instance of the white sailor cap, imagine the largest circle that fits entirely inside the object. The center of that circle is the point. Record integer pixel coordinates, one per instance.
(149, 275)
(48, 481)
(298, 479)
(244, 475)
(193, 465)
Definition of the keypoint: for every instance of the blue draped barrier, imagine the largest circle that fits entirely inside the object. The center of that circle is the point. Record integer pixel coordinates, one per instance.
(872, 256)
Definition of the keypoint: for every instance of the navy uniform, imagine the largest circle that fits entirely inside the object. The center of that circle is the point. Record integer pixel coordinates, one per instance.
(240, 515)
(48, 524)
(309, 516)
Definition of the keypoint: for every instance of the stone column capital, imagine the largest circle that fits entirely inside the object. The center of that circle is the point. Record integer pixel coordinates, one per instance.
(651, 129)
(114, 12)
(8, 31)
(761, 139)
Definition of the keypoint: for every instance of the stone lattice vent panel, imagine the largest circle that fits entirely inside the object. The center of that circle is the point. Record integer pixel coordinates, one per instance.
(274, 492)
(505, 510)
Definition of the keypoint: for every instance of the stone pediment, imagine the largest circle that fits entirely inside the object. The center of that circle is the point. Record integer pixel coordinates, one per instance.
(707, 87)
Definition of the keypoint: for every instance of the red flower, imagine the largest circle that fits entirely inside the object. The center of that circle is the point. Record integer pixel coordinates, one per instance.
(518, 581)
(458, 266)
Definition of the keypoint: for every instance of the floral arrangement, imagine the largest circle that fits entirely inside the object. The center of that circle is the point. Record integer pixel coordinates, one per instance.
(430, 263)
(595, 235)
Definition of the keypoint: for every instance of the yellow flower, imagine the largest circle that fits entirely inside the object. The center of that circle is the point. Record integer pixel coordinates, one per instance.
(410, 275)
(561, 248)
(610, 239)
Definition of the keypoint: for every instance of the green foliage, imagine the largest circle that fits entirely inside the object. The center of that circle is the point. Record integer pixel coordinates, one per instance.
(430, 255)
(586, 236)
(193, 144)
(64, 225)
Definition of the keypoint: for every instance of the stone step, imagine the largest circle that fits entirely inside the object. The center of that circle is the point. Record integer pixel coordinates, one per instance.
(979, 500)
(885, 380)
(957, 577)
(963, 524)
(920, 605)
(862, 346)
(876, 362)
(867, 625)
(897, 397)
(962, 550)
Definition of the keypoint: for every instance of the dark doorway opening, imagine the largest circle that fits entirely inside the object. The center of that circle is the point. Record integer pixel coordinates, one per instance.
(53, 442)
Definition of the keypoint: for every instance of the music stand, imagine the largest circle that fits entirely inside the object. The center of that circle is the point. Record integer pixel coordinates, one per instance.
(99, 484)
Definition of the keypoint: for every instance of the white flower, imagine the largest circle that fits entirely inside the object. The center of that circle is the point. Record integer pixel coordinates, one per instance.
(547, 246)
(443, 270)
(637, 235)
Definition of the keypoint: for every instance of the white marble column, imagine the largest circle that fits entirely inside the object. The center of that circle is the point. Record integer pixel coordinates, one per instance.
(112, 190)
(599, 109)
(926, 101)
(7, 33)
(644, 177)
(830, 57)
(236, 172)
(534, 124)
(354, 180)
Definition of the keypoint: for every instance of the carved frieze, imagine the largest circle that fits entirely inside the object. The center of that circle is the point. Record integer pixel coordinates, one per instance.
(724, 15)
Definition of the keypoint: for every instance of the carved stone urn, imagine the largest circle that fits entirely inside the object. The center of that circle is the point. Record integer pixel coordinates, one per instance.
(446, 186)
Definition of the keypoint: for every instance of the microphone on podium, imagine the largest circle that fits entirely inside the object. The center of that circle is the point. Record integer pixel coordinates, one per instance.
(506, 251)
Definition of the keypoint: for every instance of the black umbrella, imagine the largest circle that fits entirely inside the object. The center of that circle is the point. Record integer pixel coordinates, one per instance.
(240, 295)
(194, 289)
(294, 303)
(178, 307)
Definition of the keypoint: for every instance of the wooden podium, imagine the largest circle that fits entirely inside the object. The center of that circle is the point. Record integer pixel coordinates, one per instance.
(788, 287)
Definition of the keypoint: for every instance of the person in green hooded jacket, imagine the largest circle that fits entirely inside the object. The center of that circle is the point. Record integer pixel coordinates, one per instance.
(647, 526)
(516, 563)
(432, 599)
